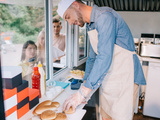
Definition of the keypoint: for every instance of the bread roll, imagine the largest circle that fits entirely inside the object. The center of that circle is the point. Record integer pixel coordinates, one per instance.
(70, 111)
(57, 104)
(48, 115)
(47, 102)
(44, 108)
(61, 116)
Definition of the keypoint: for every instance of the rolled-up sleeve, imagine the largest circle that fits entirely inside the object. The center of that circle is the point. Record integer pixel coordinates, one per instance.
(106, 28)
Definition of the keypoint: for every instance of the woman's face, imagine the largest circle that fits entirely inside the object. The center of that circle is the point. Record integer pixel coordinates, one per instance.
(42, 41)
(30, 51)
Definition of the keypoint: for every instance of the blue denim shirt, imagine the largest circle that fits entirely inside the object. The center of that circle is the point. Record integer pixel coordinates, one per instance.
(111, 29)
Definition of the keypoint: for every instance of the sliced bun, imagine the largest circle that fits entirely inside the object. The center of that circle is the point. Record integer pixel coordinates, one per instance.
(70, 111)
(61, 116)
(48, 115)
(47, 102)
(57, 104)
(44, 108)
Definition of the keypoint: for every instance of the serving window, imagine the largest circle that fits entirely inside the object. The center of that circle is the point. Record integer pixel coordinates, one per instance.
(22, 34)
(27, 34)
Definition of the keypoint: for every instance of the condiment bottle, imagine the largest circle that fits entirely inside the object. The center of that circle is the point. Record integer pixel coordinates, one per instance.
(36, 80)
(43, 78)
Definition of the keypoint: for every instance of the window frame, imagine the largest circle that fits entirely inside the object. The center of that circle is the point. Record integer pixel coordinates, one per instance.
(2, 112)
(49, 39)
(69, 54)
(72, 51)
(77, 60)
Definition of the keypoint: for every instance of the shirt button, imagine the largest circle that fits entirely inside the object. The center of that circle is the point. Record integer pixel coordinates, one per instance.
(98, 84)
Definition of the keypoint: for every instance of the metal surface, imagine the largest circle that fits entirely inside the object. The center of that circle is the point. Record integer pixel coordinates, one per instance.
(130, 5)
(49, 39)
(151, 105)
(150, 50)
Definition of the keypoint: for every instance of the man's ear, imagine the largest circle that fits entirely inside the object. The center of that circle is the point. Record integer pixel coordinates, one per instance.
(75, 4)
(61, 27)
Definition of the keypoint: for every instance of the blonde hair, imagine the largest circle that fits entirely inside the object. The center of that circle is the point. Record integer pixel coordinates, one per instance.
(39, 46)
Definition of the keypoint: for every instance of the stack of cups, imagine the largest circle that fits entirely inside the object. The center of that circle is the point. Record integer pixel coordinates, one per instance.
(52, 92)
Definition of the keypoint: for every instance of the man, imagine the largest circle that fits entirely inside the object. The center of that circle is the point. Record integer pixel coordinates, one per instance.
(112, 64)
(58, 40)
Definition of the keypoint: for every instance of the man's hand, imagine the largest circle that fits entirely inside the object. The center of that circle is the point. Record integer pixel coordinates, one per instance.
(76, 99)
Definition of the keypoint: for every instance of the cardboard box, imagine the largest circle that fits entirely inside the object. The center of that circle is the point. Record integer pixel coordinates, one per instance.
(10, 98)
(33, 93)
(33, 97)
(22, 95)
(22, 86)
(22, 111)
(11, 111)
(12, 76)
(33, 102)
(23, 103)
(22, 91)
(10, 103)
(12, 116)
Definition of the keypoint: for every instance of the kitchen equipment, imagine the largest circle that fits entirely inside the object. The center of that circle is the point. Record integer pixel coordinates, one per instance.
(152, 98)
(157, 39)
(147, 38)
(147, 46)
(150, 50)
(136, 43)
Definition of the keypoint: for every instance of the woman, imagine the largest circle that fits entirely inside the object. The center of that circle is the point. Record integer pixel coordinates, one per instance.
(41, 46)
(28, 60)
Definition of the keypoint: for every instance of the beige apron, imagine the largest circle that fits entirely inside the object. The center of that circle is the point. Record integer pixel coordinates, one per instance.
(116, 91)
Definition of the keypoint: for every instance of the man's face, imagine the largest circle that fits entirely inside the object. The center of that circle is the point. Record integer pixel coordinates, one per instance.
(74, 17)
(56, 28)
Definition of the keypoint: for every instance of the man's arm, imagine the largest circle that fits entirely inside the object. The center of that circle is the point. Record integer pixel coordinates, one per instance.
(106, 28)
(89, 63)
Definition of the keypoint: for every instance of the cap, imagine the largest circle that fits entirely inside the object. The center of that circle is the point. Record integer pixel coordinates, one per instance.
(39, 64)
(63, 6)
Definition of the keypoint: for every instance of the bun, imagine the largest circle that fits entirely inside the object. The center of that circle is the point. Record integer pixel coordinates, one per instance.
(57, 104)
(44, 108)
(61, 116)
(47, 102)
(70, 111)
(48, 115)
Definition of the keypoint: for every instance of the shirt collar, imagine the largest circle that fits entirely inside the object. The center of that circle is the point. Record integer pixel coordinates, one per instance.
(92, 18)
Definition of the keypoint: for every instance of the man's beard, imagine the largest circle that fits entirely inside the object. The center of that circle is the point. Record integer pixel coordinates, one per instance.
(80, 19)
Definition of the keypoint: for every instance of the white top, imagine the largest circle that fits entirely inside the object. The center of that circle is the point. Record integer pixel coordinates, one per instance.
(59, 42)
